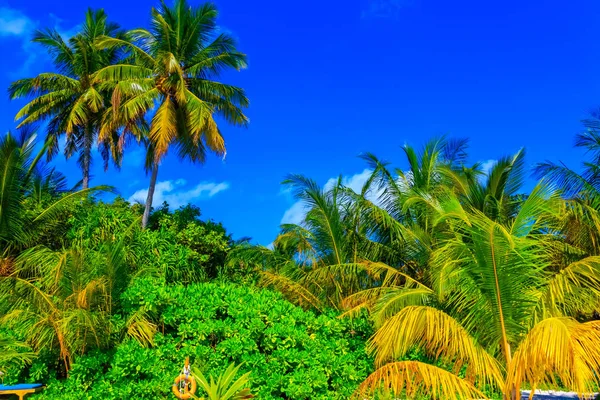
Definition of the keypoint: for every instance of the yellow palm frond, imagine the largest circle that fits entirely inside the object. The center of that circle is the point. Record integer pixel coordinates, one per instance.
(293, 290)
(212, 136)
(389, 304)
(176, 81)
(78, 115)
(411, 378)
(197, 111)
(385, 301)
(94, 100)
(439, 335)
(573, 286)
(141, 329)
(558, 350)
(163, 129)
(367, 297)
(138, 105)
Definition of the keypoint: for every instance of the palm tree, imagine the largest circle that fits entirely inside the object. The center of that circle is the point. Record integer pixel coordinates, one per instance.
(61, 299)
(323, 259)
(31, 195)
(571, 182)
(351, 241)
(71, 99)
(495, 306)
(581, 220)
(172, 74)
(12, 352)
(497, 195)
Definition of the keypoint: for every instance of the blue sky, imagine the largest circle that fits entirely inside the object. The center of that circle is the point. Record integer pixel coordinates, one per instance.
(330, 80)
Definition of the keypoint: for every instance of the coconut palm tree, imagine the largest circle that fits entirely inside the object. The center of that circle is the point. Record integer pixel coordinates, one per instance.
(71, 100)
(171, 78)
(496, 307)
(350, 241)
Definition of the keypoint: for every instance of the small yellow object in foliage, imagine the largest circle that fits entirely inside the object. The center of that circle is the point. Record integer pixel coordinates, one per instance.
(185, 384)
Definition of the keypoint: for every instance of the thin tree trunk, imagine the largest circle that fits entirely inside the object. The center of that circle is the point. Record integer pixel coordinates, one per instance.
(86, 156)
(150, 195)
(86, 176)
(64, 352)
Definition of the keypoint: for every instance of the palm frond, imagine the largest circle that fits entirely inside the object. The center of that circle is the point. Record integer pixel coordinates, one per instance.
(440, 335)
(411, 378)
(558, 351)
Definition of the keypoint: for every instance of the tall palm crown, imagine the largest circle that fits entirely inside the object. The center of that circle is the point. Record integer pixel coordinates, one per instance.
(71, 99)
(171, 72)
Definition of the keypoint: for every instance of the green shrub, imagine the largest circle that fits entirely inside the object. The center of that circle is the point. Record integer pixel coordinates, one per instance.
(177, 246)
(291, 353)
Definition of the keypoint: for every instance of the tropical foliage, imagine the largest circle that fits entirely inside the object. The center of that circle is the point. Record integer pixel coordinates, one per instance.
(456, 262)
(439, 279)
(289, 352)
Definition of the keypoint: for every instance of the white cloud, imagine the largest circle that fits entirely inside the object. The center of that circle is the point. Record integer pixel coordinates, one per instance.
(295, 214)
(14, 23)
(173, 192)
(487, 166)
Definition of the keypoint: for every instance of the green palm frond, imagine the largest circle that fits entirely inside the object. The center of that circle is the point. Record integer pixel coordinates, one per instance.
(226, 387)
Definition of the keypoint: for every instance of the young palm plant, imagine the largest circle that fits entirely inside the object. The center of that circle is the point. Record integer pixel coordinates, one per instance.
(172, 78)
(498, 309)
(71, 100)
(226, 387)
(59, 300)
(13, 352)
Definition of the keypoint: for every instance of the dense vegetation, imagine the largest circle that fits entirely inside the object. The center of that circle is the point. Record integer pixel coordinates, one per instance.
(501, 284)
(438, 279)
(117, 308)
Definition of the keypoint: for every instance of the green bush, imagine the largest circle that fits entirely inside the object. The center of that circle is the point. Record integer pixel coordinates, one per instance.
(177, 246)
(291, 353)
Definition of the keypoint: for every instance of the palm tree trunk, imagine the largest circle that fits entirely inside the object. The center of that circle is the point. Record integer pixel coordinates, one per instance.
(86, 176)
(150, 195)
(86, 156)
